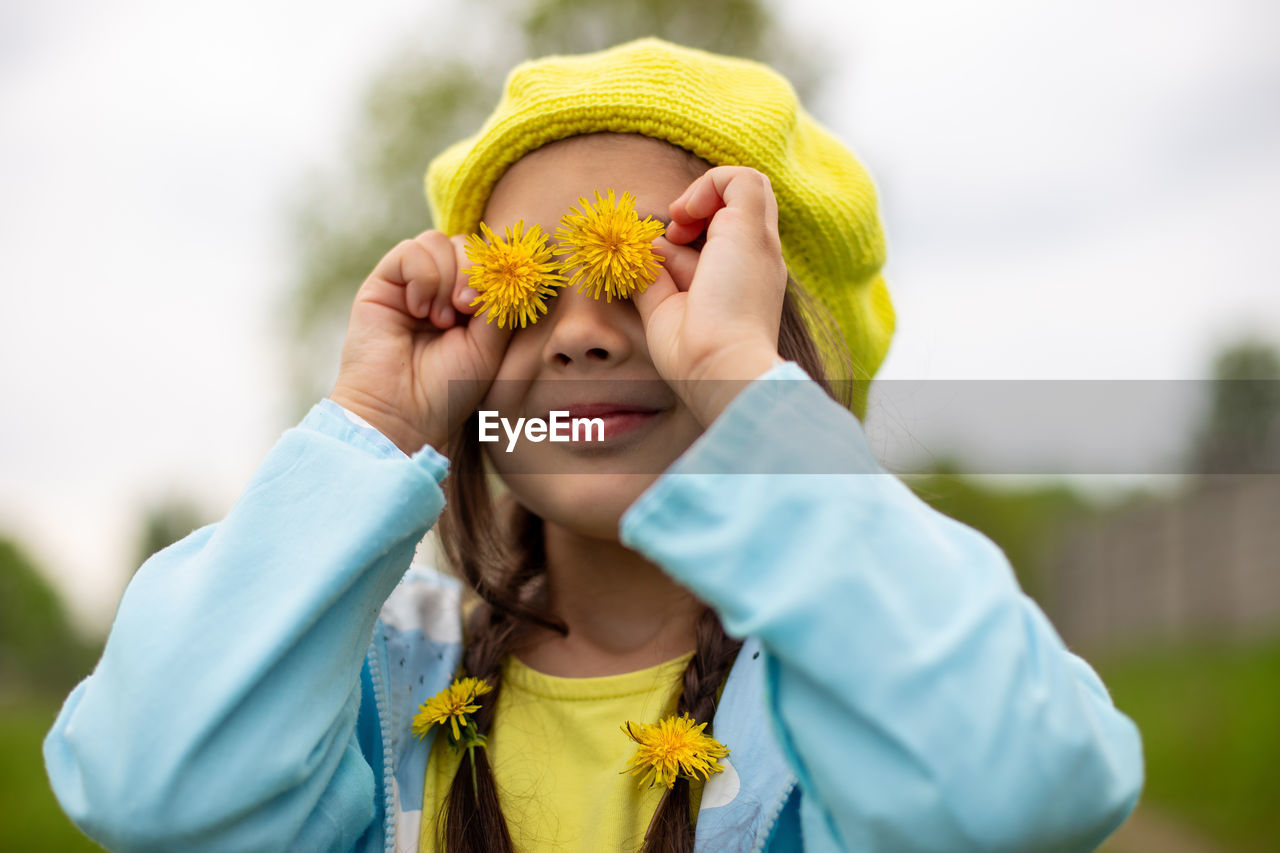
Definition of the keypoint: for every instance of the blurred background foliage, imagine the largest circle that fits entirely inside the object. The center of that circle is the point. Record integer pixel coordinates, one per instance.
(1207, 705)
(38, 646)
(41, 658)
(1241, 430)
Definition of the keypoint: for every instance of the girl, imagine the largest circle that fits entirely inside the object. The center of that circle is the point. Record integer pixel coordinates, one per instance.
(869, 674)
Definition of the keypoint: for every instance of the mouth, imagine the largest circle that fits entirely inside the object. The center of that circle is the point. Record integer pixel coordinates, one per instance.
(602, 422)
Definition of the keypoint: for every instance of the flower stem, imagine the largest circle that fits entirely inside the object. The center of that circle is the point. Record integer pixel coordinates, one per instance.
(475, 789)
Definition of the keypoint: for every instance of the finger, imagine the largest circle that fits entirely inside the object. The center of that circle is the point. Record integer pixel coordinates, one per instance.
(744, 189)
(490, 341)
(702, 198)
(662, 289)
(463, 293)
(685, 232)
(770, 206)
(442, 251)
(684, 226)
(405, 280)
(679, 261)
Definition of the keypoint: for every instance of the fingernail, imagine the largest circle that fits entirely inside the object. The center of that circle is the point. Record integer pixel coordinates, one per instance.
(446, 315)
(468, 294)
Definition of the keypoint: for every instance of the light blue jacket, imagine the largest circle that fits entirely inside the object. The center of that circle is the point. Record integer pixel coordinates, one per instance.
(897, 690)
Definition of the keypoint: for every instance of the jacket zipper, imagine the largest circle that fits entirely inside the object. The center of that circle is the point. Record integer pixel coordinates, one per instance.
(384, 730)
(766, 829)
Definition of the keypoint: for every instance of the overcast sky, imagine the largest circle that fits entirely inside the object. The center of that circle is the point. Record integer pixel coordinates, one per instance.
(1071, 190)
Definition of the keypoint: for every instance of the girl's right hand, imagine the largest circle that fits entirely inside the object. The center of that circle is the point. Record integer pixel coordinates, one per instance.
(411, 332)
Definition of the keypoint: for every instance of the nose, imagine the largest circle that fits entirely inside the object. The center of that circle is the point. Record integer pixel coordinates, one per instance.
(586, 332)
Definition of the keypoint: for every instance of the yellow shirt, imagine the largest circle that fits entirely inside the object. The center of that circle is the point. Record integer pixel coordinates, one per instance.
(558, 750)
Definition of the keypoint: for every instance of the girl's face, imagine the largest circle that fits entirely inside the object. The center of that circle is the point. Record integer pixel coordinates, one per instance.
(587, 356)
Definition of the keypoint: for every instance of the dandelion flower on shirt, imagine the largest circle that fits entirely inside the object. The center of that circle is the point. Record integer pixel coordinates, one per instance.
(453, 705)
(513, 276)
(673, 747)
(609, 248)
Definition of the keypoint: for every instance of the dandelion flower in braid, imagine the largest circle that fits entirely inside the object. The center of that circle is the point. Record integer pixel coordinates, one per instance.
(512, 276)
(609, 247)
(672, 748)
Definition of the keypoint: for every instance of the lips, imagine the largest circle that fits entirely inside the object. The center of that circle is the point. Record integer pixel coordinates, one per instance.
(617, 417)
(604, 410)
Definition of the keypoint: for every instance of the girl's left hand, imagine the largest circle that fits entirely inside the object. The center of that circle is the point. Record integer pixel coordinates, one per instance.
(712, 317)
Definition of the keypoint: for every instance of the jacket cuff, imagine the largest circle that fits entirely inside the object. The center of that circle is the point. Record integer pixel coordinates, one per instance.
(781, 423)
(334, 420)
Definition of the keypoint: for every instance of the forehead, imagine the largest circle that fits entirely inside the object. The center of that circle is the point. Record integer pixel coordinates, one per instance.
(543, 185)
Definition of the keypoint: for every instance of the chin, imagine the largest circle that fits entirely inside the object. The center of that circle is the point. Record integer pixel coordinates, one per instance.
(588, 504)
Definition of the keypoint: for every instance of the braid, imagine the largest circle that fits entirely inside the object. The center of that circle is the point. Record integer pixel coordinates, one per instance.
(708, 668)
(671, 830)
(473, 821)
(505, 564)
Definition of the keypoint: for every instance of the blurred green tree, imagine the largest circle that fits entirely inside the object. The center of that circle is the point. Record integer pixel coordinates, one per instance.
(428, 97)
(1240, 432)
(1027, 523)
(164, 522)
(39, 651)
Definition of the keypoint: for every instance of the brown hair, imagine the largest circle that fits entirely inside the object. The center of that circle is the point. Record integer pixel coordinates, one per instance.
(497, 549)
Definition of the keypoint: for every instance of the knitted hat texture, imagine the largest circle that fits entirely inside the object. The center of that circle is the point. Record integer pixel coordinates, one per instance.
(727, 111)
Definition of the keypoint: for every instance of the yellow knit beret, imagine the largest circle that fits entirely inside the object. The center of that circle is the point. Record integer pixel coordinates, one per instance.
(725, 110)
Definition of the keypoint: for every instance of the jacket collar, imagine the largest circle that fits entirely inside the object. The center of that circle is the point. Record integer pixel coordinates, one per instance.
(741, 804)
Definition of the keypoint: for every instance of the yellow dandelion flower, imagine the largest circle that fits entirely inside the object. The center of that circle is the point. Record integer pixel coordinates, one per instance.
(609, 248)
(513, 276)
(673, 747)
(451, 705)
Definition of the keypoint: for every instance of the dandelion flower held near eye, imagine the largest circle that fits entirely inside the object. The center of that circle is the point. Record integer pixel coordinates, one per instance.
(453, 705)
(672, 748)
(609, 248)
(513, 276)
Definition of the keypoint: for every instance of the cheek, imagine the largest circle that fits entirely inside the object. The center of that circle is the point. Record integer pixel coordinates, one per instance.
(521, 360)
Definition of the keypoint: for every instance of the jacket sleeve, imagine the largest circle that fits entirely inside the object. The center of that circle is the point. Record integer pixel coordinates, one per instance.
(222, 714)
(925, 702)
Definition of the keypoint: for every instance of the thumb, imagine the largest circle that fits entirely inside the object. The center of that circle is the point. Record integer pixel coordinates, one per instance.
(674, 276)
(489, 340)
(463, 293)
(662, 289)
(680, 261)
